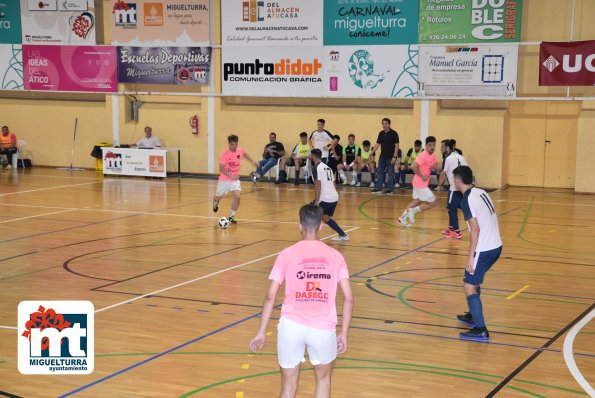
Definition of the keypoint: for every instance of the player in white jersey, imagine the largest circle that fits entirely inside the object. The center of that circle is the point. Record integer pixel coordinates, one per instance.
(452, 161)
(326, 193)
(484, 249)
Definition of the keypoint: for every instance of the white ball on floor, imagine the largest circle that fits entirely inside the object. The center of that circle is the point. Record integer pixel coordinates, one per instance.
(223, 222)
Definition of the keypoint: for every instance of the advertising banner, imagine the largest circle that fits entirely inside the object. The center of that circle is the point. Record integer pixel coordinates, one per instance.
(159, 23)
(470, 21)
(273, 71)
(11, 67)
(480, 70)
(370, 22)
(371, 71)
(135, 162)
(10, 22)
(271, 23)
(567, 63)
(164, 65)
(70, 68)
(58, 21)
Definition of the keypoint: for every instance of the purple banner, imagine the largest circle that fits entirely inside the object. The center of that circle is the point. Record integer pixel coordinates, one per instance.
(70, 68)
(164, 65)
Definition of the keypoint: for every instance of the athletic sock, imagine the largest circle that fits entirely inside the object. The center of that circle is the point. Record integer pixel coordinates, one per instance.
(475, 308)
(233, 213)
(297, 173)
(354, 175)
(373, 176)
(331, 223)
(414, 210)
(359, 178)
(343, 176)
(478, 287)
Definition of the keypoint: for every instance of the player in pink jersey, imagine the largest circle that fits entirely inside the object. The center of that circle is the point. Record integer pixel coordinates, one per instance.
(423, 197)
(230, 163)
(311, 271)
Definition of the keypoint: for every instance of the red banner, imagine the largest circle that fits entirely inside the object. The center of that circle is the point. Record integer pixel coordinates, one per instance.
(567, 63)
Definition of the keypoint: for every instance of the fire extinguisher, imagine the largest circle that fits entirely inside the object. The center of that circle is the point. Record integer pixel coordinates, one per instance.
(194, 124)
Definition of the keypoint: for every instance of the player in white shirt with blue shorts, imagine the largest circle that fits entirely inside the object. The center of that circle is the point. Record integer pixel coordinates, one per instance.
(484, 249)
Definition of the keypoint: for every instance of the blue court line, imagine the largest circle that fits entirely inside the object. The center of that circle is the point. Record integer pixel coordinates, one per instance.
(379, 278)
(417, 249)
(136, 365)
(466, 341)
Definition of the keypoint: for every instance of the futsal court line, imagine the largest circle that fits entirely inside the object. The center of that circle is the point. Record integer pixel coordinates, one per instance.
(569, 356)
(203, 277)
(513, 295)
(49, 188)
(34, 216)
(147, 213)
(8, 327)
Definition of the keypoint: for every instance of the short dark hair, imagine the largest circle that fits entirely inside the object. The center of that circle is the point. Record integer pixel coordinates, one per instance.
(303, 134)
(4, 126)
(366, 143)
(444, 141)
(386, 120)
(321, 121)
(464, 173)
(417, 143)
(316, 153)
(454, 142)
(310, 217)
(273, 133)
(232, 138)
(448, 144)
(337, 137)
(430, 138)
(351, 135)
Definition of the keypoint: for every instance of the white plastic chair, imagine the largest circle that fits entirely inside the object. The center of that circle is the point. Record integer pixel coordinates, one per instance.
(15, 159)
(306, 169)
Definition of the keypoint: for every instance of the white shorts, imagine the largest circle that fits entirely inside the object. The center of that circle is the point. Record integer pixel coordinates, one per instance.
(224, 186)
(293, 338)
(423, 194)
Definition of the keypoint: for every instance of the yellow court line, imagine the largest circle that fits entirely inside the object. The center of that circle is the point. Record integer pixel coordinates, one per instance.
(513, 295)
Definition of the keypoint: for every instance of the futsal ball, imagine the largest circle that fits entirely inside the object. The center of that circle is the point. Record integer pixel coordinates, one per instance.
(223, 222)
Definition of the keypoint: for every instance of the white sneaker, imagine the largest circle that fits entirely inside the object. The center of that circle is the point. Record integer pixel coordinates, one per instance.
(403, 221)
(344, 182)
(353, 182)
(396, 186)
(338, 238)
(372, 184)
(411, 217)
(358, 184)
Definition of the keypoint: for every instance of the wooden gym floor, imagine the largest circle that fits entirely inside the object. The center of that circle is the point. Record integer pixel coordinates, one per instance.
(177, 298)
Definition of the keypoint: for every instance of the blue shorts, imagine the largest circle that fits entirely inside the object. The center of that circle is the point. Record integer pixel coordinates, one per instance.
(328, 208)
(483, 263)
(454, 200)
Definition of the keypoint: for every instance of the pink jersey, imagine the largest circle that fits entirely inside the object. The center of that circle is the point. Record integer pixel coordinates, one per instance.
(232, 162)
(425, 162)
(311, 271)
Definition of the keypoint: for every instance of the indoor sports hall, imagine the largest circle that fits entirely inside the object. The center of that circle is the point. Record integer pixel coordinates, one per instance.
(118, 278)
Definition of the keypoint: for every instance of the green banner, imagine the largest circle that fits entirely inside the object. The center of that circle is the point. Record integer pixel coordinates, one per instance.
(470, 21)
(10, 22)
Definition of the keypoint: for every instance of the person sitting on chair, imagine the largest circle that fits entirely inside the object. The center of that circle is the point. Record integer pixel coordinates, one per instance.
(298, 159)
(149, 140)
(273, 151)
(8, 146)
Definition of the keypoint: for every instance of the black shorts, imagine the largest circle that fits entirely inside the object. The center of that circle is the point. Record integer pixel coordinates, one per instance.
(328, 208)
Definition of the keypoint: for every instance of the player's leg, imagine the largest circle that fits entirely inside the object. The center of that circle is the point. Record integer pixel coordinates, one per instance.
(341, 169)
(298, 165)
(328, 209)
(383, 164)
(372, 168)
(236, 203)
(454, 201)
(405, 218)
(323, 380)
(222, 188)
(482, 263)
(353, 170)
(291, 345)
(282, 177)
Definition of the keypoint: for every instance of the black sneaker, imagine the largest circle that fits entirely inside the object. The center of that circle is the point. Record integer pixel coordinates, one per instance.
(296, 182)
(466, 318)
(388, 192)
(233, 220)
(254, 176)
(215, 207)
(480, 334)
(376, 191)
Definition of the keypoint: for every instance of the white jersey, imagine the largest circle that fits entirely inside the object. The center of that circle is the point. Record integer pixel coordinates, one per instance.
(328, 193)
(320, 139)
(453, 161)
(477, 204)
(151, 142)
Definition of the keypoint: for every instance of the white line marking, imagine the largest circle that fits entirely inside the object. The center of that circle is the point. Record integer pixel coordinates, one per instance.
(46, 189)
(8, 327)
(569, 356)
(202, 277)
(37, 215)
